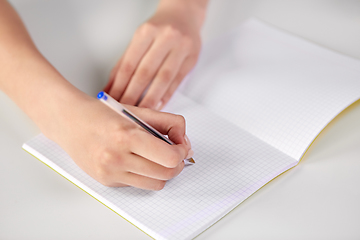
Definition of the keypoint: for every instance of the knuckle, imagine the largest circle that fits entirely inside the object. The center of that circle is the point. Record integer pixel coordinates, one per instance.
(120, 136)
(103, 176)
(170, 173)
(106, 159)
(144, 74)
(149, 103)
(123, 136)
(181, 75)
(146, 29)
(104, 168)
(165, 75)
(171, 33)
(127, 68)
(173, 160)
(180, 120)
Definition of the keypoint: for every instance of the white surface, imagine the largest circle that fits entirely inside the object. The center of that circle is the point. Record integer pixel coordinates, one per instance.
(319, 199)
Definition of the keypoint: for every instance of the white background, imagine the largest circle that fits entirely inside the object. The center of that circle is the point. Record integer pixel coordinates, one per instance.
(318, 199)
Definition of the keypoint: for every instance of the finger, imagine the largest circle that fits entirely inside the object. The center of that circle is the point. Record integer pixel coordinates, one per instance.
(118, 173)
(141, 166)
(109, 85)
(142, 182)
(168, 124)
(164, 78)
(112, 76)
(135, 52)
(115, 69)
(116, 184)
(157, 150)
(188, 64)
(146, 70)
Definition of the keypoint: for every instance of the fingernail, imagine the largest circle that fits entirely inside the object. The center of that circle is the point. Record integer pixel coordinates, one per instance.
(190, 154)
(187, 141)
(159, 105)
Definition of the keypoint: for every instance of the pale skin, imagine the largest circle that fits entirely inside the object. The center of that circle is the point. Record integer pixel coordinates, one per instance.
(110, 148)
(163, 50)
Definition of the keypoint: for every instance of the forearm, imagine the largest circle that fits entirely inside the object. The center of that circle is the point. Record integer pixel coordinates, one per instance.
(99, 140)
(26, 76)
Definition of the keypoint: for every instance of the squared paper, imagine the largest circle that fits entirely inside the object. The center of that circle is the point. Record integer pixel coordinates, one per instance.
(255, 101)
(280, 88)
(231, 164)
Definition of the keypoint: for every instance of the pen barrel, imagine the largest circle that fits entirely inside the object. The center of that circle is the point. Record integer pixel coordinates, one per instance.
(110, 102)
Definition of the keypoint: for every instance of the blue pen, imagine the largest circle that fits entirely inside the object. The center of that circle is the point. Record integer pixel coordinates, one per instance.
(119, 108)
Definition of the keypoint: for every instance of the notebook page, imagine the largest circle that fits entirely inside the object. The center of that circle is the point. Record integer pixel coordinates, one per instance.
(276, 86)
(231, 164)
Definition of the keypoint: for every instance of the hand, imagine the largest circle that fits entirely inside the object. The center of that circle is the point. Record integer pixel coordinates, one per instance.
(117, 152)
(109, 147)
(161, 53)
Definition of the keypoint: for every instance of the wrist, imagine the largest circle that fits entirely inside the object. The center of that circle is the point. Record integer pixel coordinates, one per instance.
(193, 9)
(58, 107)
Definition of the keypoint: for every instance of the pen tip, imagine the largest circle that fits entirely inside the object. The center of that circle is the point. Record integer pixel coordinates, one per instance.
(189, 161)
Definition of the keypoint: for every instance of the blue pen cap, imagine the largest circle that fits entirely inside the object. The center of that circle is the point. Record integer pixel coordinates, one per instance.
(102, 95)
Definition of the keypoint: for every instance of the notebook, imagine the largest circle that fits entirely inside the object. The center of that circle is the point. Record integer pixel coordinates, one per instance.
(254, 103)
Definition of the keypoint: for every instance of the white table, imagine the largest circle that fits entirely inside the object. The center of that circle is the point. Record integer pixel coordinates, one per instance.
(318, 199)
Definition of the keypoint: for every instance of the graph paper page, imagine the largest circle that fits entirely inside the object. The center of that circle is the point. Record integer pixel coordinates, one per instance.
(276, 86)
(231, 164)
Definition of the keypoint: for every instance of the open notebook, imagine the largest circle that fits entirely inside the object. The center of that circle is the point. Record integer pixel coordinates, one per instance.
(254, 103)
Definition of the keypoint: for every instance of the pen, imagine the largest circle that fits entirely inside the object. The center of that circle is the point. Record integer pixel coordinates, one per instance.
(119, 108)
